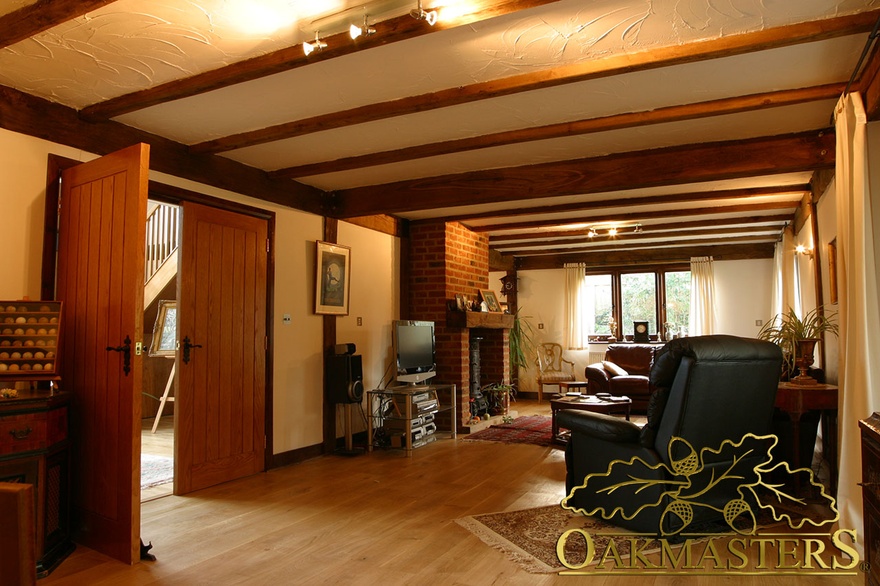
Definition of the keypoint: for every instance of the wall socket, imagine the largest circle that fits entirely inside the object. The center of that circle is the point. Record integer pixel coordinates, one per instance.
(759, 322)
(540, 326)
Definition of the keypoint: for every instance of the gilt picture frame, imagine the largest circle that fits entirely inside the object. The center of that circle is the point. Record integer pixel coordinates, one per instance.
(164, 342)
(332, 278)
(491, 300)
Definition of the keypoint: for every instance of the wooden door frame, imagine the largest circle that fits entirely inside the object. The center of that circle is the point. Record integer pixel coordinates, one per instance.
(174, 195)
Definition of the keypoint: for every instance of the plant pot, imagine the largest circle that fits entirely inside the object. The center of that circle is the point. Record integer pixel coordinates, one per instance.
(804, 350)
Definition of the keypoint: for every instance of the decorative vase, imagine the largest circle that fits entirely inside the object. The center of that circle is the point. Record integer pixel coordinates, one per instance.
(804, 360)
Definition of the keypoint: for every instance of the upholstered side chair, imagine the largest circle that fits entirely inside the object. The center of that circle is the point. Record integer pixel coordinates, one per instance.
(553, 368)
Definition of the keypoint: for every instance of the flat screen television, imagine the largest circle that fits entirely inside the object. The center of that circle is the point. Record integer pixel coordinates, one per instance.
(414, 350)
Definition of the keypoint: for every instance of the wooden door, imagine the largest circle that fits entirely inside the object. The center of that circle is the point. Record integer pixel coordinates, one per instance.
(220, 400)
(101, 282)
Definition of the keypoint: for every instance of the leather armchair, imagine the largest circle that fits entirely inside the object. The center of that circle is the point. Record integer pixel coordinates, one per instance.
(707, 389)
(636, 361)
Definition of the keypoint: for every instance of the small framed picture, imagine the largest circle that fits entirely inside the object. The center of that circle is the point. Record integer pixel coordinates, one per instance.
(165, 330)
(332, 279)
(460, 303)
(491, 300)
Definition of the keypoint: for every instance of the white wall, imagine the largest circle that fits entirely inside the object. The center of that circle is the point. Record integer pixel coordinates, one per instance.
(298, 362)
(742, 296)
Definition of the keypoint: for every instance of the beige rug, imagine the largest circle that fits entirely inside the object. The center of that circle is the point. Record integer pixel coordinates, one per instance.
(528, 537)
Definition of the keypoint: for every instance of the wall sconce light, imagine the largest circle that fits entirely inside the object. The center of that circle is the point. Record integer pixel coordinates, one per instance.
(430, 16)
(356, 31)
(801, 249)
(316, 46)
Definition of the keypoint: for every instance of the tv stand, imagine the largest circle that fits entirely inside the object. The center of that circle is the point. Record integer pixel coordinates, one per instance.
(408, 412)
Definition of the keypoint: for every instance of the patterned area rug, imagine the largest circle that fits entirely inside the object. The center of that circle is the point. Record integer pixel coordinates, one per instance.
(156, 470)
(529, 429)
(528, 537)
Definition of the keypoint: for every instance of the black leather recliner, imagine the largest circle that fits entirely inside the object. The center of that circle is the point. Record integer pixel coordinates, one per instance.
(708, 389)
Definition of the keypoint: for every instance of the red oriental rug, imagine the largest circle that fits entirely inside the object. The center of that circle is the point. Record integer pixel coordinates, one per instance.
(528, 429)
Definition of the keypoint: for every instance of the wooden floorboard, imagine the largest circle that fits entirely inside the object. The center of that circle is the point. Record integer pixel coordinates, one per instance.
(378, 518)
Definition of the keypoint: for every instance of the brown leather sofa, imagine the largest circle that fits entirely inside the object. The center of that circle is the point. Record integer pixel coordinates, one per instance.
(624, 371)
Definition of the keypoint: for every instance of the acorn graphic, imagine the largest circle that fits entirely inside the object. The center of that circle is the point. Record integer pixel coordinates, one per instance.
(740, 517)
(688, 464)
(677, 510)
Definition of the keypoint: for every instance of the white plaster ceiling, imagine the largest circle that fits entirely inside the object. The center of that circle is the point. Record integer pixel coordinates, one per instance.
(133, 45)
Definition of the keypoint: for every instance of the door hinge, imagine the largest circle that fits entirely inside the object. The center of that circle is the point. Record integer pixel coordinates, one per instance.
(267, 245)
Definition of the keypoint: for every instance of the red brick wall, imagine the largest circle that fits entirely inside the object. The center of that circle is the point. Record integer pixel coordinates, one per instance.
(446, 259)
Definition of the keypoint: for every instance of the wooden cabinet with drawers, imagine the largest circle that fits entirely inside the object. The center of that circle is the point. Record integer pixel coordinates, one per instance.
(871, 496)
(34, 449)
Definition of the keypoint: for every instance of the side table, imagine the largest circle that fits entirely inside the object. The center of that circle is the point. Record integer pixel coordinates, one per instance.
(586, 403)
(796, 399)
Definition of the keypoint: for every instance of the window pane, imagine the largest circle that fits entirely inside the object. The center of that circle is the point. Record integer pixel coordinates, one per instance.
(597, 295)
(638, 292)
(678, 300)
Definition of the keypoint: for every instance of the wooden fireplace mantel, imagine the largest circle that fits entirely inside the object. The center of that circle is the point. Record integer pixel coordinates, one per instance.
(477, 319)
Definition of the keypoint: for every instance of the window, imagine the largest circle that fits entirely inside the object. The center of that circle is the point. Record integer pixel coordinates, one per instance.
(660, 297)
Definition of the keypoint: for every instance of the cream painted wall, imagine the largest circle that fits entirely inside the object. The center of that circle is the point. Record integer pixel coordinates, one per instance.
(374, 261)
(298, 376)
(826, 211)
(742, 294)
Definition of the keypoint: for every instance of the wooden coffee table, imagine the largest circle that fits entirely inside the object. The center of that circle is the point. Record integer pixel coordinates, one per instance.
(586, 403)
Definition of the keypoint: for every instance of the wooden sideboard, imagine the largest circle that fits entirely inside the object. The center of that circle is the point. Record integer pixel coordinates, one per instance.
(34, 449)
(871, 496)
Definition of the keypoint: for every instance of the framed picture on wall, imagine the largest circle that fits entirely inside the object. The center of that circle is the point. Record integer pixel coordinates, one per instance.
(491, 300)
(332, 278)
(165, 330)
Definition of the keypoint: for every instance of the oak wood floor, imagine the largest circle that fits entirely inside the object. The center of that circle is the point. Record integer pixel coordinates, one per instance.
(378, 518)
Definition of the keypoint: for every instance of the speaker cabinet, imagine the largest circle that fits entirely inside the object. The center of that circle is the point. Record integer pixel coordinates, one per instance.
(345, 378)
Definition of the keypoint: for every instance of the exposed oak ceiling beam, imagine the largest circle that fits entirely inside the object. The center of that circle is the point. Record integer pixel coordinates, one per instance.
(593, 69)
(393, 30)
(649, 256)
(42, 15)
(579, 127)
(618, 172)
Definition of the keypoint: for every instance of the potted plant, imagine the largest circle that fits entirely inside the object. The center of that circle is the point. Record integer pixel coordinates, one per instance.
(798, 337)
(499, 396)
(520, 343)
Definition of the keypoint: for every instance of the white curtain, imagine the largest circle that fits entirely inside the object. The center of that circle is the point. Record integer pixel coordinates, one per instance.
(576, 332)
(783, 291)
(859, 314)
(702, 313)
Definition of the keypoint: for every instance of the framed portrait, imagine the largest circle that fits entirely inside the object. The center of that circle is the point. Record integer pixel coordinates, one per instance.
(332, 279)
(460, 302)
(491, 300)
(165, 330)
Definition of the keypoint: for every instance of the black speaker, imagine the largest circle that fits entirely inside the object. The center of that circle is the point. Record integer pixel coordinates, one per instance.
(345, 378)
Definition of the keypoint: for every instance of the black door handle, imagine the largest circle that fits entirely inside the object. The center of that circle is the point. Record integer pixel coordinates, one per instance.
(126, 354)
(187, 346)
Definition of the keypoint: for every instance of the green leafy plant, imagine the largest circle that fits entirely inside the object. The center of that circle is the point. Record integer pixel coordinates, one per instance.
(786, 329)
(520, 341)
(499, 396)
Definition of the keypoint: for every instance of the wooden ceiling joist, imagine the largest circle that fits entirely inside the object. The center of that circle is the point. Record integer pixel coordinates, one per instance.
(592, 69)
(575, 128)
(652, 256)
(41, 16)
(390, 31)
(665, 166)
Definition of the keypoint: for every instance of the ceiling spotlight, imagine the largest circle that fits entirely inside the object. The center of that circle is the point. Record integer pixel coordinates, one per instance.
(638, 229)
(316, 46)
(592, 233)
(612, 231)
(356, 31)
(430, 16)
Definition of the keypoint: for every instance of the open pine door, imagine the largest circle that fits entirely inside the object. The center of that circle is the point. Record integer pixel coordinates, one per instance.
(101, 282)
(220, 400)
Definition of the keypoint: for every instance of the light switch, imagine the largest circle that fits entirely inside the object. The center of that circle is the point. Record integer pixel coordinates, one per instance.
(286, 319)
(360, 321)
(540, 326)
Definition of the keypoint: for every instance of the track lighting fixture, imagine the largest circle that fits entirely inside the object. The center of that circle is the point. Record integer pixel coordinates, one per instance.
(430, 16)
(316, 46)
(356, 31)
(592, 233)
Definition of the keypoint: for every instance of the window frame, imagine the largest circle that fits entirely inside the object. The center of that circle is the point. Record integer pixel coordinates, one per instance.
(617, 294)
